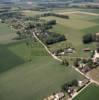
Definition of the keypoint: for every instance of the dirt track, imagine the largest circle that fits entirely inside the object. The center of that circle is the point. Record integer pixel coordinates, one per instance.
(80, 12)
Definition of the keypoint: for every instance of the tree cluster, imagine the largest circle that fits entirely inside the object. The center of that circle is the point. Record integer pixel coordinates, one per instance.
(88, 38)
(51, 38)
(65, 62)
(8, 15)
(66, 86)
(56, 15)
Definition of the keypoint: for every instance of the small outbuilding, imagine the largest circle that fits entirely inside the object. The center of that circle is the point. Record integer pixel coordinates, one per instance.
(86, 49)
(69, 50)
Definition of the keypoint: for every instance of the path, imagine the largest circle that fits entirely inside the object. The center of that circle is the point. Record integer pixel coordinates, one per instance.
(55, 57)
(80, 12)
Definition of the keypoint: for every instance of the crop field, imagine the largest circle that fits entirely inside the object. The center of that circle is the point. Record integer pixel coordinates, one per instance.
(6, 33)
(71, 23)
(31, 13)
(90, 10)
(76, 9)
(94, 74)
(74, 29)
(90, 93)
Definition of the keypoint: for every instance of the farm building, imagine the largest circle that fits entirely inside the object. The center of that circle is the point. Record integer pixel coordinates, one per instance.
(69, 50)
(86, 49)
(96, 57)
(83, 82)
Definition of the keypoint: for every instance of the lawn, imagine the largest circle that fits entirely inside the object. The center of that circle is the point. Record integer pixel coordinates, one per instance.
(31, 80)
(90, 93)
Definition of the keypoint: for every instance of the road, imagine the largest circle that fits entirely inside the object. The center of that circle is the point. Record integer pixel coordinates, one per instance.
(55, 57)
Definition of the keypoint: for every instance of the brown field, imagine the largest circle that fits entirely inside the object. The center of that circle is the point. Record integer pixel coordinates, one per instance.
(94, 74)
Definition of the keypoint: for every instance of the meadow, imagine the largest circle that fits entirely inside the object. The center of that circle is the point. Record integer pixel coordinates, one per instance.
(90, 93)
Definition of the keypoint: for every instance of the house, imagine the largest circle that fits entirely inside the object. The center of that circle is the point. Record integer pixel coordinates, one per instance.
(82, 65)
(69, 50)
(85, 69)
(71, 91)
(57, 96)
(95, 57)
(83, 82)
(51, 97)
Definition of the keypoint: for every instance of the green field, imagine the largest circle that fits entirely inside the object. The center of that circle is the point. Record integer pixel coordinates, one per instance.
(31, 13)
(80, 24)
(90, 93)
(6, 34)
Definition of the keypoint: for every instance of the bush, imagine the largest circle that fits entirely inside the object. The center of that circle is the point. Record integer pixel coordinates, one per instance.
(76, 62)
(69, 84)
(53, 38)
(65, 62)
(87, 38)
(51, 22)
